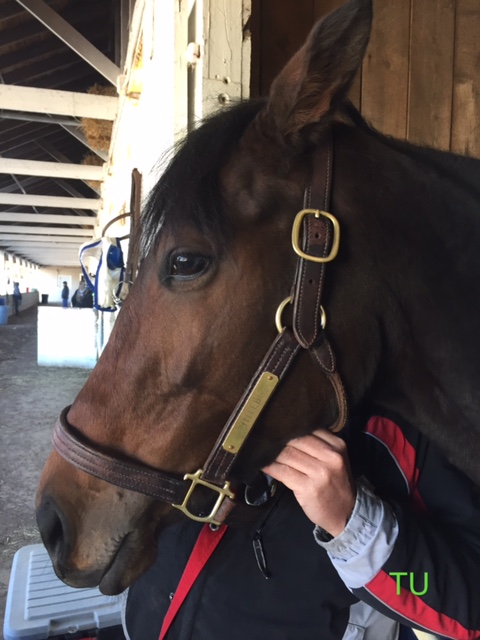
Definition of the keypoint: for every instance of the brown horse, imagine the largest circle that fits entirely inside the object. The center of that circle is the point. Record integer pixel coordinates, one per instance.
(401, 299)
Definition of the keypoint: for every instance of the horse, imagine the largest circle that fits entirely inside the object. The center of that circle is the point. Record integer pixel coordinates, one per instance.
(286, 221)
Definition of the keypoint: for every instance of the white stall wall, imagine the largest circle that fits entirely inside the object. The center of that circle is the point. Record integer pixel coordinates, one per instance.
(15, 269)
(67, 337)
(184, 61)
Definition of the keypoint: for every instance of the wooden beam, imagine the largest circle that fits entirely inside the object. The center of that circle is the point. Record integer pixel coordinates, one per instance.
(39, 256)
(70, 103)
(50, 150)
(22, 200)
(72, 38)
(45, 218)
(45, 251)
(73, 253)
(49, 262)
(14, 238)
(49, 255)
(47, 231)
(52, 259)
(50, 169)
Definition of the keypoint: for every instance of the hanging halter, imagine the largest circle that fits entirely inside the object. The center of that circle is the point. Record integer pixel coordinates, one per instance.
(315, 239)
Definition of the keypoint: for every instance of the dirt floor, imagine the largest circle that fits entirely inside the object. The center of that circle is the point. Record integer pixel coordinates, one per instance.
(31, 397)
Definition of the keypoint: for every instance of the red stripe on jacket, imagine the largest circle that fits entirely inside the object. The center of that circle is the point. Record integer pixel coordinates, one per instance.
(411, 607)
(390, 434)
(383, 586)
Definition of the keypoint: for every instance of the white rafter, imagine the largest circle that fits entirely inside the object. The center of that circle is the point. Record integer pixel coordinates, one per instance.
(14, 238)
(44, 231)
(72, 38)
(50, 169)
(22, 200)
(47, 218)
(70, 103)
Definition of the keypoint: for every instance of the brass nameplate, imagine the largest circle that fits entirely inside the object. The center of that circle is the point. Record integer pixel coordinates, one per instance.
(247, 417)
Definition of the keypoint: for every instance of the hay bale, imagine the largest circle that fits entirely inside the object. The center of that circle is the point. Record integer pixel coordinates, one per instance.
(92, 160)
(98, 132)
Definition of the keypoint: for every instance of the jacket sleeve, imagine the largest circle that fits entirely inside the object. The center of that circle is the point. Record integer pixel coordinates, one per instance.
(413, 555)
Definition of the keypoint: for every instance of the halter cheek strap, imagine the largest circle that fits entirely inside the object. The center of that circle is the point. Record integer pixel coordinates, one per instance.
(315, 238)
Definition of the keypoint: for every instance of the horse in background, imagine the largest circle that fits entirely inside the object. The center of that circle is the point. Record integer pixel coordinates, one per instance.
(400, 298)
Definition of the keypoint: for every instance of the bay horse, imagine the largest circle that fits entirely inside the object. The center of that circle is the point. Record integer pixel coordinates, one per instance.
(390, 312)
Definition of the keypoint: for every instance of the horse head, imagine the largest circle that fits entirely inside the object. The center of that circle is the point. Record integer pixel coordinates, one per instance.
(217, 262)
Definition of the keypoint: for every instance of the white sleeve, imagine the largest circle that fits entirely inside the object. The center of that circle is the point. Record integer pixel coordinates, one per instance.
(363, 547)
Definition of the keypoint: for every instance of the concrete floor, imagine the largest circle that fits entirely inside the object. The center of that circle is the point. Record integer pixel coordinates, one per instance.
(31, 397)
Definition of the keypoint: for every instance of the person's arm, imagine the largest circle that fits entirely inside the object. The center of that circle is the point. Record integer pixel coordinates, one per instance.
(378, 547)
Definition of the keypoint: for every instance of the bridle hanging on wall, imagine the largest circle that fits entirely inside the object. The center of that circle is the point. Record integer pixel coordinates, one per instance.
(134, 213)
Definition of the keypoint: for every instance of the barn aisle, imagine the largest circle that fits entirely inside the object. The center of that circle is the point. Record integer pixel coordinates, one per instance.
(31, 398)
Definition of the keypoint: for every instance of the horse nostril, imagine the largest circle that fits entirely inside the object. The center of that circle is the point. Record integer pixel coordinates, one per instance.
(51, 526)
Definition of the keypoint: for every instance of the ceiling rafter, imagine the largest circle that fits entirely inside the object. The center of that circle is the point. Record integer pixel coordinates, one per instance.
(42, 231)
(50, 169)
(47, 218)
(30, 200)
(35, 57)
(72, 38)
(55, 102)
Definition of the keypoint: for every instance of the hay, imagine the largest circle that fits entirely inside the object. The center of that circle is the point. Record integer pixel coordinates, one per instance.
(98, 132)
(92, 160)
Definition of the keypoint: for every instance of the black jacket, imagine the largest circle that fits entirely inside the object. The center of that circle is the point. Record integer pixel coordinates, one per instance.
(438, 521)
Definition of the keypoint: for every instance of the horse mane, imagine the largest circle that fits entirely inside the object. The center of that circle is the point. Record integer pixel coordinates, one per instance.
(461, 169)
(196, 165)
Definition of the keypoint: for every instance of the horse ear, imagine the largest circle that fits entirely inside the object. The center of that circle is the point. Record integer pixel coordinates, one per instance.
(320, 74)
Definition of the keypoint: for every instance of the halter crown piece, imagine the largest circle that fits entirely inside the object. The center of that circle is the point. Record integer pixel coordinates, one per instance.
(315, 239)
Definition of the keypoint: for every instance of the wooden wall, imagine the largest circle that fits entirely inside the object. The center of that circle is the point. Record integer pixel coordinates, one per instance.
(421, 75)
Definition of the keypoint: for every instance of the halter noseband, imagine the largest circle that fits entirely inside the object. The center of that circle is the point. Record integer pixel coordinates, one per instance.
(315, 239)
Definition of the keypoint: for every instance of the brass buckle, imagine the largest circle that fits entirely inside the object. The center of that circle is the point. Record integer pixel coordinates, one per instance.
(223, 492)
(297, 232)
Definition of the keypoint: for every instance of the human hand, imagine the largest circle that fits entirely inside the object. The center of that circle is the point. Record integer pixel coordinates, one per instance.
(316, 468)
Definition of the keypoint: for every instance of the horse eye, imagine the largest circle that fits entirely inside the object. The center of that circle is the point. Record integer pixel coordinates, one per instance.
(188, 265)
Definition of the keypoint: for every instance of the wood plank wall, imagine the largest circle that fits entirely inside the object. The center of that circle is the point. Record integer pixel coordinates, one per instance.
(420, 79)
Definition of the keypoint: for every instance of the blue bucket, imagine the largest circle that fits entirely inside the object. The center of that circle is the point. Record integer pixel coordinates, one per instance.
(3, 314)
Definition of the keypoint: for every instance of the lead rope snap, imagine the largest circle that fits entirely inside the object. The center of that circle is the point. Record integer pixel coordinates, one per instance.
(260, 555)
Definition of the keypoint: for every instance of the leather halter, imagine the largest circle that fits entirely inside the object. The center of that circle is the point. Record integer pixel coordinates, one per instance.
(315, 239)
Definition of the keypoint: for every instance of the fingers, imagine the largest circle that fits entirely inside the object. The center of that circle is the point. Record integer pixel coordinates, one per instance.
(320, 445)
(285, 474)
(308, 456)
(316, 468)
(303, 457)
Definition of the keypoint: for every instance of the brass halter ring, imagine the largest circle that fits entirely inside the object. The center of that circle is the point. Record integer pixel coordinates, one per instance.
(281, 308)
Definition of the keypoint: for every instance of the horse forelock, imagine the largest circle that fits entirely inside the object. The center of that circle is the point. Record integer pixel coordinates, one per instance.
(188, 191)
